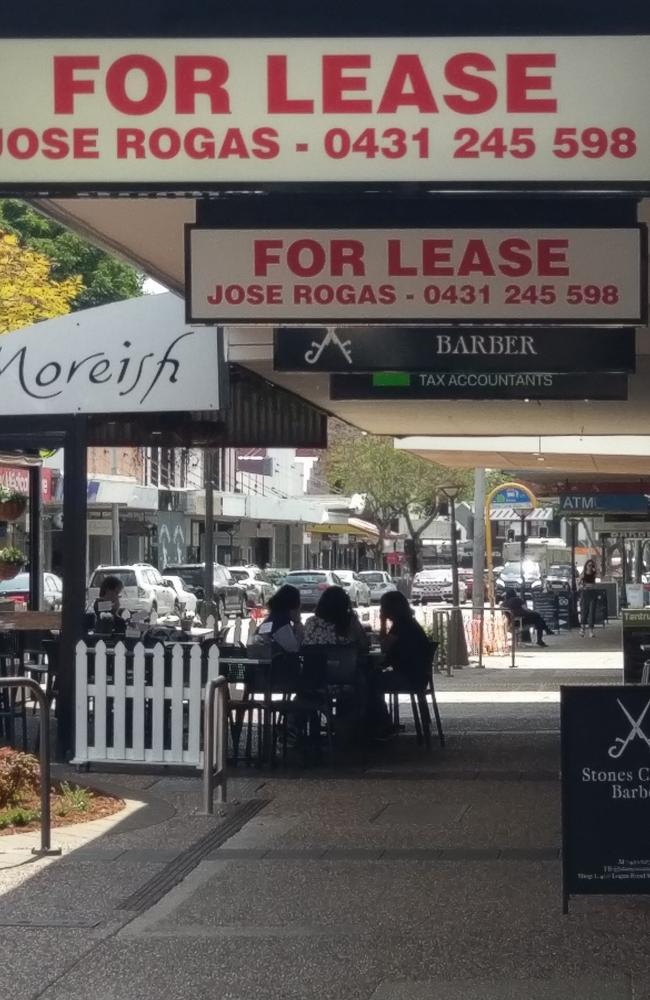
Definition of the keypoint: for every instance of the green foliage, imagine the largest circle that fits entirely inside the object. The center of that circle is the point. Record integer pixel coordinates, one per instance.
(394, 483)
(104, 278)
(73, 799)
(12, 556)
(19, 776)
(7, 495)
(18, 816)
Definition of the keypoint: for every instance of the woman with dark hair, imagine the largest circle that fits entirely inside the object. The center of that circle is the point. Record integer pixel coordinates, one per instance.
(282, 625)
(408, 657)
(589, 595)
(334, 623)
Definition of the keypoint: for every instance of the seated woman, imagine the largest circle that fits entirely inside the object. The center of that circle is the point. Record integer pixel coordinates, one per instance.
(109, 593)
(282, 625)
(408, 658)
(334, 623)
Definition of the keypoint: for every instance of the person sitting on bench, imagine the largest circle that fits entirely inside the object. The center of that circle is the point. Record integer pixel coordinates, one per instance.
(517, 608)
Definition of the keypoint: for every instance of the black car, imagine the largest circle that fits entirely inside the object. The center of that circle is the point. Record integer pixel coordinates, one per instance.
(228, 595)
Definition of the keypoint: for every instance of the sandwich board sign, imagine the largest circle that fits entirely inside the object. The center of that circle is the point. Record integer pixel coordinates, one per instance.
(605, 747)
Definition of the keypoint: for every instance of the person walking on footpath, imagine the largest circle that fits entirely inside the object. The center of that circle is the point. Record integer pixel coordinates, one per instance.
(588, 597)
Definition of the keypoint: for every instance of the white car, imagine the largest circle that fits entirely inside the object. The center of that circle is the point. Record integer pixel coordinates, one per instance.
(435, 585)
(254, 581)
(357, 589)
(183, 596)
(380, 583)
(144, 589)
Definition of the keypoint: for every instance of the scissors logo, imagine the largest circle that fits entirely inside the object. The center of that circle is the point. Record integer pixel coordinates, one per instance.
(621, 743)
(314, 353)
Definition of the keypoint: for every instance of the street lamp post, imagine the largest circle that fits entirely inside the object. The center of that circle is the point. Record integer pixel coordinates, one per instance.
(457, 645)
(523, 514)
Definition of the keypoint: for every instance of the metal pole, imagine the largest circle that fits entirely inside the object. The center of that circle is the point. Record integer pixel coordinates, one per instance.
(522, 553)
(481, 635)
(219, 687)
(115, 534)
(208, 538)
(455, 596)
(478, 559)
(573, 610)
(35, 539)
(75, 494)
(44, 756)
(457, 643)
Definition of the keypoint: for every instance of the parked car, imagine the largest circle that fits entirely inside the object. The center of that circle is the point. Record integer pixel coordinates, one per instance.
(467, 576)
(436, 585)
(276, 576)
(357, 589)
(17, 590)
(311, 583)
(380, 583)
(183, 596)
(228, 595)
(510, 578)
(144, 589)
(255, 582)
(558, 577)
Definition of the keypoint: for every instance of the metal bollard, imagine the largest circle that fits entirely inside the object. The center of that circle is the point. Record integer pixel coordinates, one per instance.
(44, 759)
(218, 686)
(481, 636)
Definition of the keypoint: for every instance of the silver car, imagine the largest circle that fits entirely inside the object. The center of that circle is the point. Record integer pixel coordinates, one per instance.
(255, 582)
(357, 589)
(311, 583)
(380, 583)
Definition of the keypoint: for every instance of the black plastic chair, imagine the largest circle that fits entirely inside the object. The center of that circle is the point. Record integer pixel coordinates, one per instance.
(12, 702)
(420, 706)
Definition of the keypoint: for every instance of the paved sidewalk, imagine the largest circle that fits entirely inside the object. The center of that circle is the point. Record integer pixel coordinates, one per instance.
(407, 876)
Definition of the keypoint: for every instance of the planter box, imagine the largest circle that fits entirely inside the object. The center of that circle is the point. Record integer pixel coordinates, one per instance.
(11, 510)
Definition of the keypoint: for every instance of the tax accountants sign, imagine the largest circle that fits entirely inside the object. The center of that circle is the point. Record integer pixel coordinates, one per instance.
(195, 113)
(434, 275)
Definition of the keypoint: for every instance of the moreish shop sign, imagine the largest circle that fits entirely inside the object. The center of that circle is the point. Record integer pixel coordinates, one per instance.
(134, 356)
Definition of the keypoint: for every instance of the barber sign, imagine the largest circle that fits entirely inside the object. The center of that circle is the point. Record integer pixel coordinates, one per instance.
(414, 275)
(605, 734)
(200, 112)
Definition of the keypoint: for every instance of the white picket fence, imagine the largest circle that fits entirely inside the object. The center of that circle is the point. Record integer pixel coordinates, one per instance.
(137, 708)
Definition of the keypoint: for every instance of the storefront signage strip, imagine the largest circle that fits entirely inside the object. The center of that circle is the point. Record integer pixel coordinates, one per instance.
(201, 112)
(385, 348)
(470, 385)
(617, 503)
(413, 275)
(128, 357)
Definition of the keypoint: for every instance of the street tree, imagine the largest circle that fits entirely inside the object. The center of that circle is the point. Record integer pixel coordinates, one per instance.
(395, 484)
(28, 292)
(104, 278)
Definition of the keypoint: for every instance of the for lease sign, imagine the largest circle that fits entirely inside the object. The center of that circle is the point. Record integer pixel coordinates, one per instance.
(407, 275)
(187, 112)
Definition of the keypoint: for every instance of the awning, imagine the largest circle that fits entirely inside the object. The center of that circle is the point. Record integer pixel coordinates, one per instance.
(511, 514)
(353, 526)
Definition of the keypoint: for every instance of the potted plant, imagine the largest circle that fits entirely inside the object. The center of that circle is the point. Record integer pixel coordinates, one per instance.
(12, 504)
(11, 562)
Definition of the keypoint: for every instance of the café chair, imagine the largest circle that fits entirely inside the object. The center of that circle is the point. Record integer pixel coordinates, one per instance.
(420, 706)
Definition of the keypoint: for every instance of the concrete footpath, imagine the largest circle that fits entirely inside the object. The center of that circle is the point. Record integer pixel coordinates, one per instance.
(405, 876)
